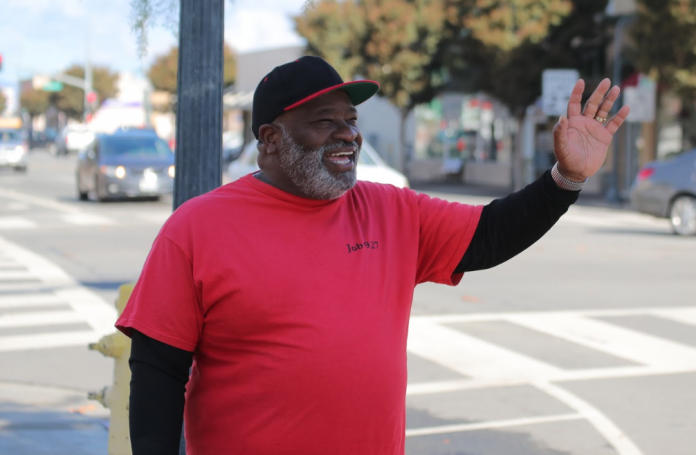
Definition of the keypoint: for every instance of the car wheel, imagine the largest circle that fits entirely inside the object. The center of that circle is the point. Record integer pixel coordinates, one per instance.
(21, 169)
(95, 193)
(81, 195)
(682, 215)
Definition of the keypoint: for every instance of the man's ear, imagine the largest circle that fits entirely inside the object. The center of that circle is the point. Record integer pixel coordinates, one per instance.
(269, 137)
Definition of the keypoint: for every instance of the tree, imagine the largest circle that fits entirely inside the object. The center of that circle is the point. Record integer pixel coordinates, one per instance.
(664, 35)
(399, 43)
(35, 102)
(163, 72)
(416, 48)
(512, 42)
(665, 41)
(3, 102)
(71, 99)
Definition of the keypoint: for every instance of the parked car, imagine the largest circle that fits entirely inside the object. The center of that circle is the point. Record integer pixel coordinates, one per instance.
(13, 149)
(232, 146)
(667, 189)
(43, 139)
(370, 167)
(73, 138)
(126, 164)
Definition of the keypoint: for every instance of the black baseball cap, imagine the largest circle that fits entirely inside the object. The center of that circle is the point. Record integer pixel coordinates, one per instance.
(295, 83)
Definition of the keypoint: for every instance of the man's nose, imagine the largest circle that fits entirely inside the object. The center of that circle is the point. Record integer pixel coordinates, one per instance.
(347, 133)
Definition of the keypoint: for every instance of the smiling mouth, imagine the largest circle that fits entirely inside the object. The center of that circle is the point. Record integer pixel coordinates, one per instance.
(342, 158)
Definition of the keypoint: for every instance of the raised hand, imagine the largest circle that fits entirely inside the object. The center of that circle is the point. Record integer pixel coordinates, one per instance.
(581, 140)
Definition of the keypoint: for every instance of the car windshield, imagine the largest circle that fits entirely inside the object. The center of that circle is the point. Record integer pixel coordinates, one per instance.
(9, 136)
(365, 158)
(136, 147)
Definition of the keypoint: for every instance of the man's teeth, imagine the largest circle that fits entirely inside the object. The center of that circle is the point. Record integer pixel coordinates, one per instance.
(340, 153)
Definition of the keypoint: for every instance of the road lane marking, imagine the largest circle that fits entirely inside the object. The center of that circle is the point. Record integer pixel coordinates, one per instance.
(683, 315)
(629, 344)
(15, 275)
(16, 222)
(94, 311)
(30, 300)
(611, 432)
(47, 340)
(476, 317)
(40, 201)
(39, 319)
(458, 428)
(471, 356)
(87, 219)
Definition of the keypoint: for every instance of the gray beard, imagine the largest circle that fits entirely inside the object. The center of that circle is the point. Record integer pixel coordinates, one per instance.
(306, 169)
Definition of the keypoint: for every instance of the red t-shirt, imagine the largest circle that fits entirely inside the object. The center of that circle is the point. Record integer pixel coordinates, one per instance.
(297, 312)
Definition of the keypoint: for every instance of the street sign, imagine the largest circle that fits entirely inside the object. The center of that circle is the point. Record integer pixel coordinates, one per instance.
(53, 86)
(641, 100)
(557, 85)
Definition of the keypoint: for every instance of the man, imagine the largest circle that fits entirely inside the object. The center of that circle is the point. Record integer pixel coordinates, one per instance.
(289, 291)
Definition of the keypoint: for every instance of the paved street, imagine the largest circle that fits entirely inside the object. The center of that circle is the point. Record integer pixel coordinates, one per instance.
(584, 345)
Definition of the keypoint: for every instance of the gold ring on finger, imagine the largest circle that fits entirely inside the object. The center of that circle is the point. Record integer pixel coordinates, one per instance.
(601, 120)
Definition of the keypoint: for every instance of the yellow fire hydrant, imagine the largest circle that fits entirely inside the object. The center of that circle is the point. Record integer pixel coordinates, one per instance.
(115, 397)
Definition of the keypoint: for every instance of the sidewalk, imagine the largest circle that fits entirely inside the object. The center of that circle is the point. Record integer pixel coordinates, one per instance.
(41, 420)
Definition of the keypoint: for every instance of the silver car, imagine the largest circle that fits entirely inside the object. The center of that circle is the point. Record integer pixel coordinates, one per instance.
(13, 149)
(128, 164)
(667, 189)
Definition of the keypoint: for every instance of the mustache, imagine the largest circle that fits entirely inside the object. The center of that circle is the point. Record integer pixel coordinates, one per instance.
(338, 145)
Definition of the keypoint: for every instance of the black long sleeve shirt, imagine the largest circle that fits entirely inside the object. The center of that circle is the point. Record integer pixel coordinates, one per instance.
(160, 372)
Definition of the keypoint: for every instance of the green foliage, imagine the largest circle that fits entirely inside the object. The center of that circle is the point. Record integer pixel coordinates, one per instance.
(396, 42)
(664, 34)
(560, 39)
(149, 13)
(71, 99)
(163, 71)
(3, 102)
(416, 48)
(35, 102)
(507, 24)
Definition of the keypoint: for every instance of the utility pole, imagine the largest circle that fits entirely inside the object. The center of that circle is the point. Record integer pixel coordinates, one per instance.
(198, 157)
(199, 99)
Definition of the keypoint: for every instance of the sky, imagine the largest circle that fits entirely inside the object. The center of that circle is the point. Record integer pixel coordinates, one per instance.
(47, 36)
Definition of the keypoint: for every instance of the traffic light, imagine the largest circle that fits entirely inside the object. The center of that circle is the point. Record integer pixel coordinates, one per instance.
(0, 62)
(91, 97)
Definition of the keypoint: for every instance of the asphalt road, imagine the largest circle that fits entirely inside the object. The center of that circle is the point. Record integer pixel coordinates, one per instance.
(585, 344)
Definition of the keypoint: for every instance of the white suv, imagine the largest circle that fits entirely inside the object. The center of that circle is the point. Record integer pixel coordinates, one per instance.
(370, 168)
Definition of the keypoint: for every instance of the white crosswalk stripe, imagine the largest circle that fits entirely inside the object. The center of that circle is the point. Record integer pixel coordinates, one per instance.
(41, 299)
(487, 364)
(16, 222)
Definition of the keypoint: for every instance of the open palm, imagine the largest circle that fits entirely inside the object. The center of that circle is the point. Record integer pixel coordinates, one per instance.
(581, 140)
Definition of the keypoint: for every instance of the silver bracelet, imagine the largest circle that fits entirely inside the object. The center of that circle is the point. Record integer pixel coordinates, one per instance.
(563, 182)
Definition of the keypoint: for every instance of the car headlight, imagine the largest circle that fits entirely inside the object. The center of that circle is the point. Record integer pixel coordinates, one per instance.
(19, 150)
(171, 171)
(114, 171)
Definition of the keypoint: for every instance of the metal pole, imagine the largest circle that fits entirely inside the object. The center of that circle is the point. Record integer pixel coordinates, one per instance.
(613, 193)
(199, 99)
